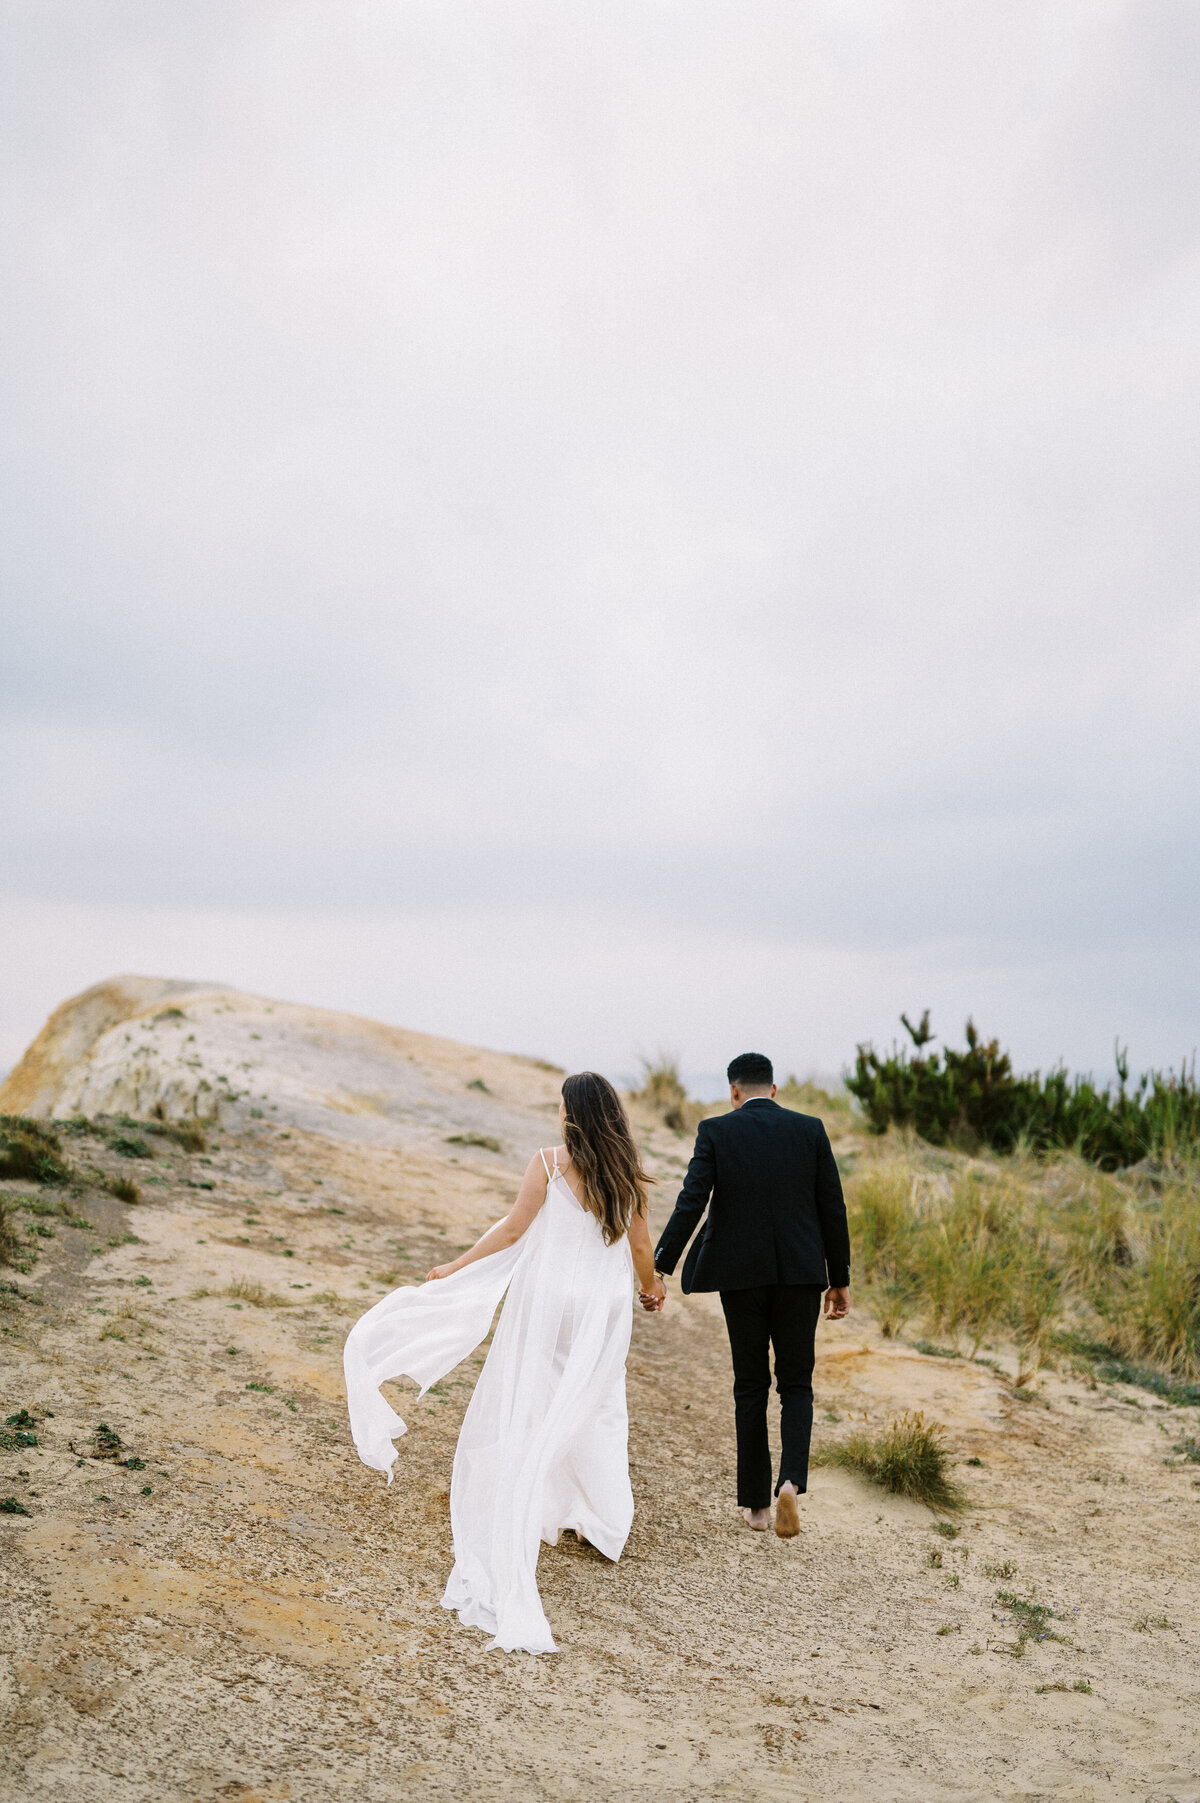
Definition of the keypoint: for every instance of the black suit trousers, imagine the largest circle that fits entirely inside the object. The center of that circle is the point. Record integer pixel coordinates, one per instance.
(783, 1316)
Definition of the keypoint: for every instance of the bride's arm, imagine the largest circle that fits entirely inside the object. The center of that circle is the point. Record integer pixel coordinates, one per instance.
(507, 1232)
(650, 1284)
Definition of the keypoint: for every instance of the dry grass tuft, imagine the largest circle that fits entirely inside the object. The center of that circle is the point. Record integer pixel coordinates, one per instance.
(188, 1135)
(11, 1245)
(345, 1305)
(662, 1089)
(909, 1458)
(810, 1098)
(250, 1289)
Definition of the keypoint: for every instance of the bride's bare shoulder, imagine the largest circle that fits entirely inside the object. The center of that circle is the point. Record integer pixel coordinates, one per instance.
(542, 1161)
(546, 1157)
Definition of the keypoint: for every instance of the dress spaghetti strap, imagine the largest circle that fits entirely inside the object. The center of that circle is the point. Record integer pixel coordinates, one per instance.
(545, 1166)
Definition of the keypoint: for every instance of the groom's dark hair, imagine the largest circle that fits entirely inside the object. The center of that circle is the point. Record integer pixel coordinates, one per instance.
(751, 1070)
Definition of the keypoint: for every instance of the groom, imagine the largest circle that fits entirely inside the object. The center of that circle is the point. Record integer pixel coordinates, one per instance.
(776, 1235)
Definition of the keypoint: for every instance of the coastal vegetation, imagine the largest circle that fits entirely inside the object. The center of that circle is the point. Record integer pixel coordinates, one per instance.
(1043, 1216)
(663, 1090)
(974, 1099)
(909, 1458)
(1048, 1255)
(55, 1165)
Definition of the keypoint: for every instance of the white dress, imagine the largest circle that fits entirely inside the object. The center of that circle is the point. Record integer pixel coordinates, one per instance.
(544, 1442)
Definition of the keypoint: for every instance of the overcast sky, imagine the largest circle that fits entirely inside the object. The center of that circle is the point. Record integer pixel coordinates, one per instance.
(585, 528)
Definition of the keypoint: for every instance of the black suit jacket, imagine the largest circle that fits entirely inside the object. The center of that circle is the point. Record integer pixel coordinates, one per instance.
(775, 1211)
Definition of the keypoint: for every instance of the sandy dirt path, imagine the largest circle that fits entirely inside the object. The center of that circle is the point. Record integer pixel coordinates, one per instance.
(252, 1614)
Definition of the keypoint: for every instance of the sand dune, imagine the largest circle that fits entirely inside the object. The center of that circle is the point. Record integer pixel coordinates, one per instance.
(146, 1046)
(251, 1614)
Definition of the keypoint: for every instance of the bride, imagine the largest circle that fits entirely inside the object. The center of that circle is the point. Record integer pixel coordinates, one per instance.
(544, 1442)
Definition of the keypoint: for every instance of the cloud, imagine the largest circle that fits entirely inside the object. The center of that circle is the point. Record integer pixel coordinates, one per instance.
(724, 470)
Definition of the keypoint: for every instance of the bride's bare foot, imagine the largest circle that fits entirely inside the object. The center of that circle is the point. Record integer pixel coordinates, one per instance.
(787, 1515)
(758, 1519)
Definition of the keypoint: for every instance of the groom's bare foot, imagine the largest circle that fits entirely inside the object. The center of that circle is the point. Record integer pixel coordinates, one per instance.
(787, 1515)
(758, 1519)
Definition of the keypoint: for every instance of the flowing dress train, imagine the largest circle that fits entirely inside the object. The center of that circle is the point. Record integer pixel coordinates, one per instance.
(544, 1442)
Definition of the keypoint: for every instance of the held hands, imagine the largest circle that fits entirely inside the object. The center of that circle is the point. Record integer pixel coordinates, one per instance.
(652, 1299)
(837, 1303)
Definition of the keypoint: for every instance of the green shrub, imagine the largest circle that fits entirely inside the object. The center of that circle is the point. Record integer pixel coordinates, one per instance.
(130, 1145)
(106, 1442)
(1031, 1620)
(32, 1150)
(973, 1099)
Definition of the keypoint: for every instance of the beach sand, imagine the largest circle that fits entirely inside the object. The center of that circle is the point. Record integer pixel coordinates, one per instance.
(250, 1613)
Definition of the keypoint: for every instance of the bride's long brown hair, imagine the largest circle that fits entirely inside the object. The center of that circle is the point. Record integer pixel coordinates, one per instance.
(602, 1149)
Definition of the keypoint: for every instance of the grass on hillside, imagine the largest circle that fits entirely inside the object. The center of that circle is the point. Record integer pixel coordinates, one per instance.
(662, 1089)
(833, 1105)
(485, 1140)
(32, 1151)
(125, 1135)
(1051, 1255)
(1028, 1243)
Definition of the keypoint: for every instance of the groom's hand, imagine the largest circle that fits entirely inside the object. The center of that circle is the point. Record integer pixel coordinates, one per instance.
(653, 1298)
(837, 1303)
